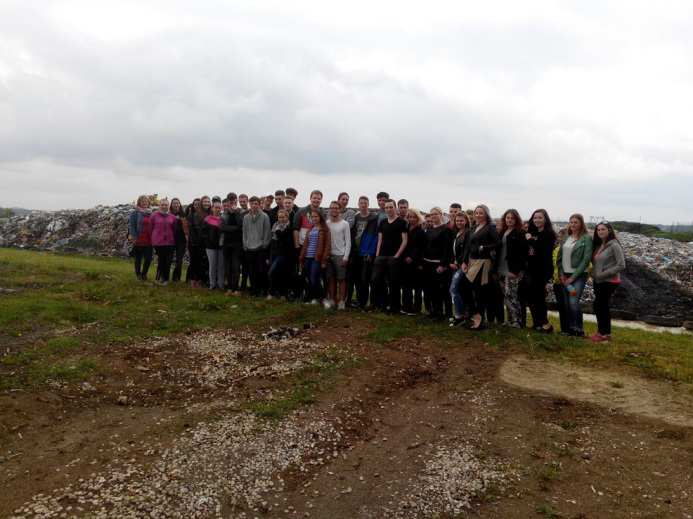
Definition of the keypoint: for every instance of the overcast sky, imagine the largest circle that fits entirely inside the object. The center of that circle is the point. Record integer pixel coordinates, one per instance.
(573, 106)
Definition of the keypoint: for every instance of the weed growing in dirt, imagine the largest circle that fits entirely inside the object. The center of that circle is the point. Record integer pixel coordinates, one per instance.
(549, 473)
(548, 512)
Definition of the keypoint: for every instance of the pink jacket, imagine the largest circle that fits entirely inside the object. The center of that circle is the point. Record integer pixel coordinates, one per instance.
(163, 229)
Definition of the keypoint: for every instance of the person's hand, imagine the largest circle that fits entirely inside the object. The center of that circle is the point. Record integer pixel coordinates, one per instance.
(408, 260)
(440, 269)
(529, 236)
(564, 280)
(453, 266)
(511, 275)
(345, 261)
(481, 247)
(267, 262)
(369, 259)
(464, 267)
(323, 265)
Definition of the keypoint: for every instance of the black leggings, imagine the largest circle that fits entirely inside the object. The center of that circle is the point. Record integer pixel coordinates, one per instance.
(602, 306)
(143, 258)
(164, 253)
(536, 299)
(436, 287)
(180, 249)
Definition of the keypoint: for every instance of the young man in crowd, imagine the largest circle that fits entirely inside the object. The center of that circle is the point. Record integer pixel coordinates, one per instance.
(290, 191)
(340, 239)
(454, 210)
(364, 235)
(290, 207)
(279, 204)
(256, 241)
(266, 204)
(243, 203)
(403, 209)
(347, 214)
(302, 222)
(392, 240)
(231, 228)
(382, 197)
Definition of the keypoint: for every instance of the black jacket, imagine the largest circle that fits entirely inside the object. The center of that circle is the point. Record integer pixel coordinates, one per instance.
(482, 244)
(195, 224)
(210, 236)
(540, 255)
(439, 244)
(459, 247)
(416, 243)
(516, 251)
(231, 227)
(282, 243)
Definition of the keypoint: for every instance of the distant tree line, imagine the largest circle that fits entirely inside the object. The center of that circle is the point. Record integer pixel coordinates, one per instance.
(651, 230)
(6, 212)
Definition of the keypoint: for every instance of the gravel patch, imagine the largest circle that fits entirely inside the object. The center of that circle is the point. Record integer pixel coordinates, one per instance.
(222, 468)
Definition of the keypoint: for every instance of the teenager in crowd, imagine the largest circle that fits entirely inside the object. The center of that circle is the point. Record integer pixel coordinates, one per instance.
(163, 226)
(290, 208)
(279, 195)
(512, 264)
(382, 197)
(495, 307)
(198, 255)
(403, 209)
(243, 203)
(231, 227)
(364, 234)
(266, 204)
(457, 284)
(540, 240)
(256, 240)
(303, 220)
(437, 254)
(427, 222)
(453, 211)
(346, 212)
(314, 255)
(340, 250)
(412, 282)
(211, 236)
(290, 191)
(608, 261)
(140, 234)
(190, 210)
(181, 237)
(282, 254)
(478, 263)
(392, 240)
(572, 260)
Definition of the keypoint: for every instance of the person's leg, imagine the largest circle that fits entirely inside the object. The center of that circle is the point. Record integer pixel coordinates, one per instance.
(245, 270)
(137, 251)
(407, 288)
(331, 279)
(166, 266)
(314, 278)
(574, 308)
(212, 267)
(367, 280)
(608, 291)
(148, 251)
(179, 250)
(221, 268)
(456, 294)
(511, 287)
(379, 272)
(394, 279)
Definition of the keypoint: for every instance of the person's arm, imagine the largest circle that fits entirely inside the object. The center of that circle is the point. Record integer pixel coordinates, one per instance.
(246, 223)
(267, 232)
(380, 241)
(347, 239)
(620, 258)
(402, 245)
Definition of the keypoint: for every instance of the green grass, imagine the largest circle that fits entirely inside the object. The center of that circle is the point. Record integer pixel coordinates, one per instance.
(547, 511)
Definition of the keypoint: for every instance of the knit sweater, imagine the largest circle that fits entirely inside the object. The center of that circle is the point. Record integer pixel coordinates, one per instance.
(340, 238)
(257, 232)
(608, 262)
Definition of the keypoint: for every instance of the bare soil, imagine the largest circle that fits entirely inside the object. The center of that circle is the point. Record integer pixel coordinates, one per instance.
(545, 439)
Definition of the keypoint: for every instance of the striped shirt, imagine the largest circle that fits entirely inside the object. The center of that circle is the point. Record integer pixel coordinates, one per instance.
(312, 242)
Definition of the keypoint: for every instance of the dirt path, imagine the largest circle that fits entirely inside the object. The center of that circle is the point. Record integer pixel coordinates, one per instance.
(415, 429)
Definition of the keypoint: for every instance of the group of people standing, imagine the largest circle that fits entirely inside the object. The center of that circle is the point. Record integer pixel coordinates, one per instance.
(460, 265)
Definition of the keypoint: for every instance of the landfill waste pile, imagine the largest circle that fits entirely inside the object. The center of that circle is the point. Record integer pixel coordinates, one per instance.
(657, 285)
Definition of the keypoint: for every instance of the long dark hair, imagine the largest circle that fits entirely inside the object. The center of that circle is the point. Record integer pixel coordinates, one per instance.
(518, 221)
(597, 241)
(548, 226)
(322, 224)
(181, 210)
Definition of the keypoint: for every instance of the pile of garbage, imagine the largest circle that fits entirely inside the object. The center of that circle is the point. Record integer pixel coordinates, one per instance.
(101, 230)
(669, 258)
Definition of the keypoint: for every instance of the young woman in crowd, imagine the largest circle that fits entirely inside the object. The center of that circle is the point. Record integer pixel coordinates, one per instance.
(540, 240)
(140, 234)
(315, 253)
(608, 261)
(412, 283)
(495, 307)
(211, 237)
(181, 237)
(281, 256)
(163, 239)
(573, 259)
(457, 285)
(478, 263)
(198, 255)
(436, 258)
(512, 264)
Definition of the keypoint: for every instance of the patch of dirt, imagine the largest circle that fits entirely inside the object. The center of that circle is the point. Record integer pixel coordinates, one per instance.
(630, 394)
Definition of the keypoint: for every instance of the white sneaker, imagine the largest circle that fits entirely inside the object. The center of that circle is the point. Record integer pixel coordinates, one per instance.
(314, 302)
(327, 304)
(341, 306)
(269, 298)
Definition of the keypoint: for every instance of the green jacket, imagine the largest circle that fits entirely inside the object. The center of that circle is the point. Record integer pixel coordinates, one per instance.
(580, 257)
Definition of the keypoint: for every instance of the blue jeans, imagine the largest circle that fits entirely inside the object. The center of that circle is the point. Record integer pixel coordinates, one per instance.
(313, 272)
(456, 293)
(278, 276)
(571, 305)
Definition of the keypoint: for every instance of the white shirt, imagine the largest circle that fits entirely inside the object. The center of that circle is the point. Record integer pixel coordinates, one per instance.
(566, 254)
(340, 236)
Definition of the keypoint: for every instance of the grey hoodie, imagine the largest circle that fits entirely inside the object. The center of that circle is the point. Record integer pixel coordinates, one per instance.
(256, 231)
